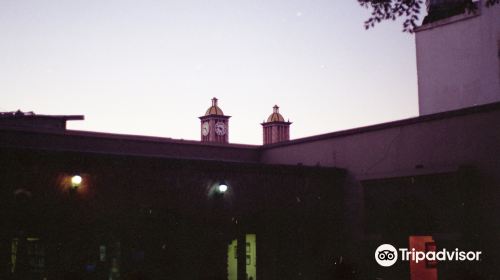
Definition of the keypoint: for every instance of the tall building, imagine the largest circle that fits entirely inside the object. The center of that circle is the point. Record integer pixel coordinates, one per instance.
(275, 129)
(458, 56)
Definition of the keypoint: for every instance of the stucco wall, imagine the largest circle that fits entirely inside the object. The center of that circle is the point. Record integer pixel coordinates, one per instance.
(458, 64)
(440, 144)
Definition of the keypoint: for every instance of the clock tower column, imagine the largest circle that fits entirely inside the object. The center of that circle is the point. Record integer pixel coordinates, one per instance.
(214, 125)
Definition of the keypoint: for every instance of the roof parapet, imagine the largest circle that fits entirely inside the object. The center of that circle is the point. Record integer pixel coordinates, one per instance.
(31, 120)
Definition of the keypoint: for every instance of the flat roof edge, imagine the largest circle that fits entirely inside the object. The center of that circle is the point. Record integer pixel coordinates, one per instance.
(419, 119)
(127, 137)
(57, 117)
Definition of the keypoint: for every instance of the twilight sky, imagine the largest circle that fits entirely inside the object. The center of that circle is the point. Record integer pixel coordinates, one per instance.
(151, 67)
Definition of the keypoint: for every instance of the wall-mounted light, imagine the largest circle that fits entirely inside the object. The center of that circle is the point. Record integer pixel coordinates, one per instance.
(222, 188)
(76, 181)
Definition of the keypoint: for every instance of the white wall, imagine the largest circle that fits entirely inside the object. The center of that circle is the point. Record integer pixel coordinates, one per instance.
(440, 144)
(458, 63)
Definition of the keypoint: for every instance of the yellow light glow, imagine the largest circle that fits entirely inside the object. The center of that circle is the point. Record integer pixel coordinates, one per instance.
(232, 261)
(251, 255)
(76, 180)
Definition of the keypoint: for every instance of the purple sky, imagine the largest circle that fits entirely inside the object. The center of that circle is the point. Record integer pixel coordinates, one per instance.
(151, 67)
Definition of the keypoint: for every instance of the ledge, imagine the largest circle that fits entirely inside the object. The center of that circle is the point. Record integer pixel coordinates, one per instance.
(446, 21)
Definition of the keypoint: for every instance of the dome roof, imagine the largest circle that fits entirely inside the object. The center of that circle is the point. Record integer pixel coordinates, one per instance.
(275, 116)
(214, 109)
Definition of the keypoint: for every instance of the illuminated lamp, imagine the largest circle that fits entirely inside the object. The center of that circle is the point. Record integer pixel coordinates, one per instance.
(222, 188)
(76, 181)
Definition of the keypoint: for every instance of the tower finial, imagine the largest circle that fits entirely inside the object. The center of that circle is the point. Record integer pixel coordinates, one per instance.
(214, 101)
(276, 109)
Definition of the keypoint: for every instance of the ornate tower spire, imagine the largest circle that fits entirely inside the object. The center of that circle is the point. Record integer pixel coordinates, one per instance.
(276, 129)
(214, 124)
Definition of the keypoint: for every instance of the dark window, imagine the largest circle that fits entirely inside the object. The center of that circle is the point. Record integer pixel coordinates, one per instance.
(422, 204)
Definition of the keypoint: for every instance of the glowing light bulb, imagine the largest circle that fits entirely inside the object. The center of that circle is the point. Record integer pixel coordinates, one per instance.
(76, 180)
(222, 188)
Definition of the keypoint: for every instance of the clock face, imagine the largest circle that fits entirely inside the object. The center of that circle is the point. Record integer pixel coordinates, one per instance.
(220, 128)
(205, 128)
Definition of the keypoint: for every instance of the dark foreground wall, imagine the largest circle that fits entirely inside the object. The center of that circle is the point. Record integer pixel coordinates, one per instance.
(120, 144)
(161, 218)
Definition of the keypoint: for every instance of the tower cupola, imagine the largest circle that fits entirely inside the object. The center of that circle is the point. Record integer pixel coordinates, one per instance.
(275, 116)
(214, 109)
(276, 129)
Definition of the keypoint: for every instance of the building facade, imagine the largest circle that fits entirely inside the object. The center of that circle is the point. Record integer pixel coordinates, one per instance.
(317, 207)
(458, 58)
(88, 205)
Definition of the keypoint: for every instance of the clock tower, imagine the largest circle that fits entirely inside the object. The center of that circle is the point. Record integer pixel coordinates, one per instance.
(214, 125)
(276, 129)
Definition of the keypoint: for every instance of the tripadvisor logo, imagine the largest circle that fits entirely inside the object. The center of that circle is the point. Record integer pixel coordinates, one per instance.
(387, 255)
